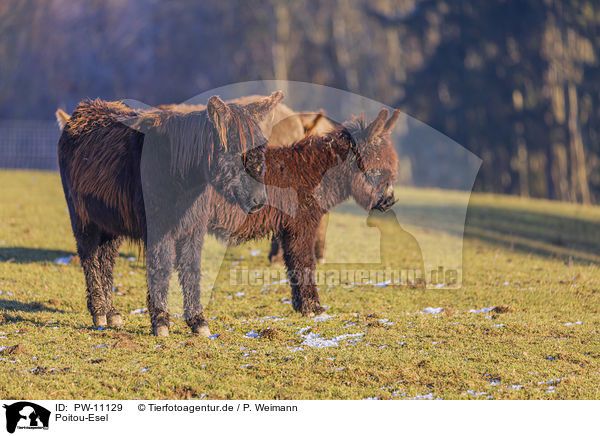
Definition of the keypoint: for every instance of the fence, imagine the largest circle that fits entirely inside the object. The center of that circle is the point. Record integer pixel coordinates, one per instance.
(28, 144)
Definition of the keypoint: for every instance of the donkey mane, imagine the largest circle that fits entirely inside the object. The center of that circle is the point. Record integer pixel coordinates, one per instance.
(188, 136)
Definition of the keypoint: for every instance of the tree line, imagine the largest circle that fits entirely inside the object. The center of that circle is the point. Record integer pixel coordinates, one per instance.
(516, 82)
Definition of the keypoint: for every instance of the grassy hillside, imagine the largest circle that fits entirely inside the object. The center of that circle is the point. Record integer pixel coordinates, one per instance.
(532, 266)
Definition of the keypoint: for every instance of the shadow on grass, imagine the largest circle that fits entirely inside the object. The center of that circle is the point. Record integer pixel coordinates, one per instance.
(24, 255)
(18, 306)
(30, 255)
(7, 318)
(531, 231)
(546, 233)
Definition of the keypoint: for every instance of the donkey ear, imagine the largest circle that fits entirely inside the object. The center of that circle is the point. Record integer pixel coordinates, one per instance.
(219, 114)
(376, 127)
(62, 118)
(389, 125)
(261, 108)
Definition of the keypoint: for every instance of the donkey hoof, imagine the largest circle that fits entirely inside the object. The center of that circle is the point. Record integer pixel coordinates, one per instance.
(162, 331)
(99, 320)
(115, 321)
(314, 311)
(201, 331)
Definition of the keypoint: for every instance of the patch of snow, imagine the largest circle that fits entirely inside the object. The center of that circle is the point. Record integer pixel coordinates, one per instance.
(483, 310)
(139, 311)
(573, 323)
(550, 382)
(254, 252)
(433, 310)
(386, 322)
(323, 317)
(497, 325)
(428, 396)
(273, 318)
(314, 340)
(252, 334)
(303, 329)
(240, 294)
(475, 394)
(63, 260)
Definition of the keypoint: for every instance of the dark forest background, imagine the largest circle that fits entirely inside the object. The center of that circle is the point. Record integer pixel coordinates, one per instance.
(516, 82)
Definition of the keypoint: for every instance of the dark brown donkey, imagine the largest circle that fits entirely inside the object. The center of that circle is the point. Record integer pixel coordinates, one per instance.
(313, 124)
(310, 177)
(154, 187)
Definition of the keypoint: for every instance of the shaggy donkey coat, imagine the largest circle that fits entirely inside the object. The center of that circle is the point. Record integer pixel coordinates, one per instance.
(284, 128)
(153, 187)
(355, 160)
(313, 124)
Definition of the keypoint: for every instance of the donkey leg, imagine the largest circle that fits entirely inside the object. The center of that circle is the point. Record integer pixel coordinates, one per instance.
(299, 257)
(320, 239)
(276, 252)
(189, 251)
(159, 267)
(107, 253)
(88, 242)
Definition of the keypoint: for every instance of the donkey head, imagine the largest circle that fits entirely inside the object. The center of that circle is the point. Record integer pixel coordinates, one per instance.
(237, 171)
(375, 163)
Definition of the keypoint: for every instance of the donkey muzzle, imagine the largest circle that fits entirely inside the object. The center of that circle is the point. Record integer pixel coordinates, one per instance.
(386, 201)
(257, 202)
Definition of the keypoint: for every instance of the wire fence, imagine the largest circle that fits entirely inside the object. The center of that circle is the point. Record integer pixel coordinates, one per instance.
(29, 144)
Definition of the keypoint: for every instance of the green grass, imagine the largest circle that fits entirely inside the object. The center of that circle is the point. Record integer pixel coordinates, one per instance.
(535, 261)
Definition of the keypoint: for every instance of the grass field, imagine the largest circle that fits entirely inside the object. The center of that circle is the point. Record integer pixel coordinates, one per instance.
(534, 262)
